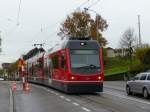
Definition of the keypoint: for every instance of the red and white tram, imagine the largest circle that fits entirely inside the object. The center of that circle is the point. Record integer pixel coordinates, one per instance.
(75, 67)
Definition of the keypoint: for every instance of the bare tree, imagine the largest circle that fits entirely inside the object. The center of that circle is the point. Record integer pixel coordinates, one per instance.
(128, 41)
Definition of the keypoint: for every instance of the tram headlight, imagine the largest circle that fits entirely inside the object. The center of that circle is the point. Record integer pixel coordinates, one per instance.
(72, 77)
(99, 77)
(82, 43)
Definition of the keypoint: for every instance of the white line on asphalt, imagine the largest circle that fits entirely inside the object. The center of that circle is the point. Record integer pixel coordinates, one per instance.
(56, 94)
(11, 101)
(125, 97)
(62, 97)
(67, 99)
(52, 92)
(87, 110)
(76, 104)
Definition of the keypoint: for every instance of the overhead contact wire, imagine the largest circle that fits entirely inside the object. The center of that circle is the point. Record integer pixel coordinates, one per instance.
(19, 11)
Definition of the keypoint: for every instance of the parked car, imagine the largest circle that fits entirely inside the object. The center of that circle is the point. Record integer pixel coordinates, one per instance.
(148, 71)
(139, 84)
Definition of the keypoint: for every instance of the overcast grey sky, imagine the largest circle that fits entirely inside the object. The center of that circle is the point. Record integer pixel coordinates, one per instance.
(40, 20)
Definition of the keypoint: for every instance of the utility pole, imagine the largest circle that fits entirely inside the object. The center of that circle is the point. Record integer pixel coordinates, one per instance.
(97, 33)
(139, 27)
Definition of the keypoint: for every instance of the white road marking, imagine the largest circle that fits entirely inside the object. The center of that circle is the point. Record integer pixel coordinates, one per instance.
(67, 99)
(52, 92)
(56, 94)
(86, 109)
(62, 97)
(11, 108)
(143, 107)
(125, 97)
(76, 104)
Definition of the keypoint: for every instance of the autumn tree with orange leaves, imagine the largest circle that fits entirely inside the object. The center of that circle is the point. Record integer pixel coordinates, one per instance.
(80, 24)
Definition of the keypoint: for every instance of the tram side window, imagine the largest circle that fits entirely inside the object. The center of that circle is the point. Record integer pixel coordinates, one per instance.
(55, 62)
(46, 68)
(50, 67)
(32, 70)
(148, 78)
(63, 62)
(39, 64)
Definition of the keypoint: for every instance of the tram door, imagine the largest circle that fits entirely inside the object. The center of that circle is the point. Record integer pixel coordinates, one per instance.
(50, 68)
(63, 66)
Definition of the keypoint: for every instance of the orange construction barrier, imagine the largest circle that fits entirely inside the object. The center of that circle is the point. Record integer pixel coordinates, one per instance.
(14, 86)
(27, 87)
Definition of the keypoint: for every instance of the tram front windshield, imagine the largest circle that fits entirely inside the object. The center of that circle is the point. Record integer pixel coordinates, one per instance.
(85, 59)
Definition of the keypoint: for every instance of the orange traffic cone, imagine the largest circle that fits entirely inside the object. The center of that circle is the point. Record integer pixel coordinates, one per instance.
(27, 87)
(14, 86)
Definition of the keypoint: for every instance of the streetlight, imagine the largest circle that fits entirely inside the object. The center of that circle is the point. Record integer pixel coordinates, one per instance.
(87, 9)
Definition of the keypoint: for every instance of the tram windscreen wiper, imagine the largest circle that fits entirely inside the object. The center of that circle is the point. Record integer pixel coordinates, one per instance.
(94, 66)
(89, 66)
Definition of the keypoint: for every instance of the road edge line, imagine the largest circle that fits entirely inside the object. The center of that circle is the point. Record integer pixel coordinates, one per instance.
(12, 105)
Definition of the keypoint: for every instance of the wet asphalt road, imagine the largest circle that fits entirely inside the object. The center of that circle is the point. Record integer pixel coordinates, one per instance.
(4, 97)
(42, 99)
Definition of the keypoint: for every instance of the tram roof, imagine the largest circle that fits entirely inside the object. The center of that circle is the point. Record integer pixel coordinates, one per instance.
(74, 44)
(36, 57)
